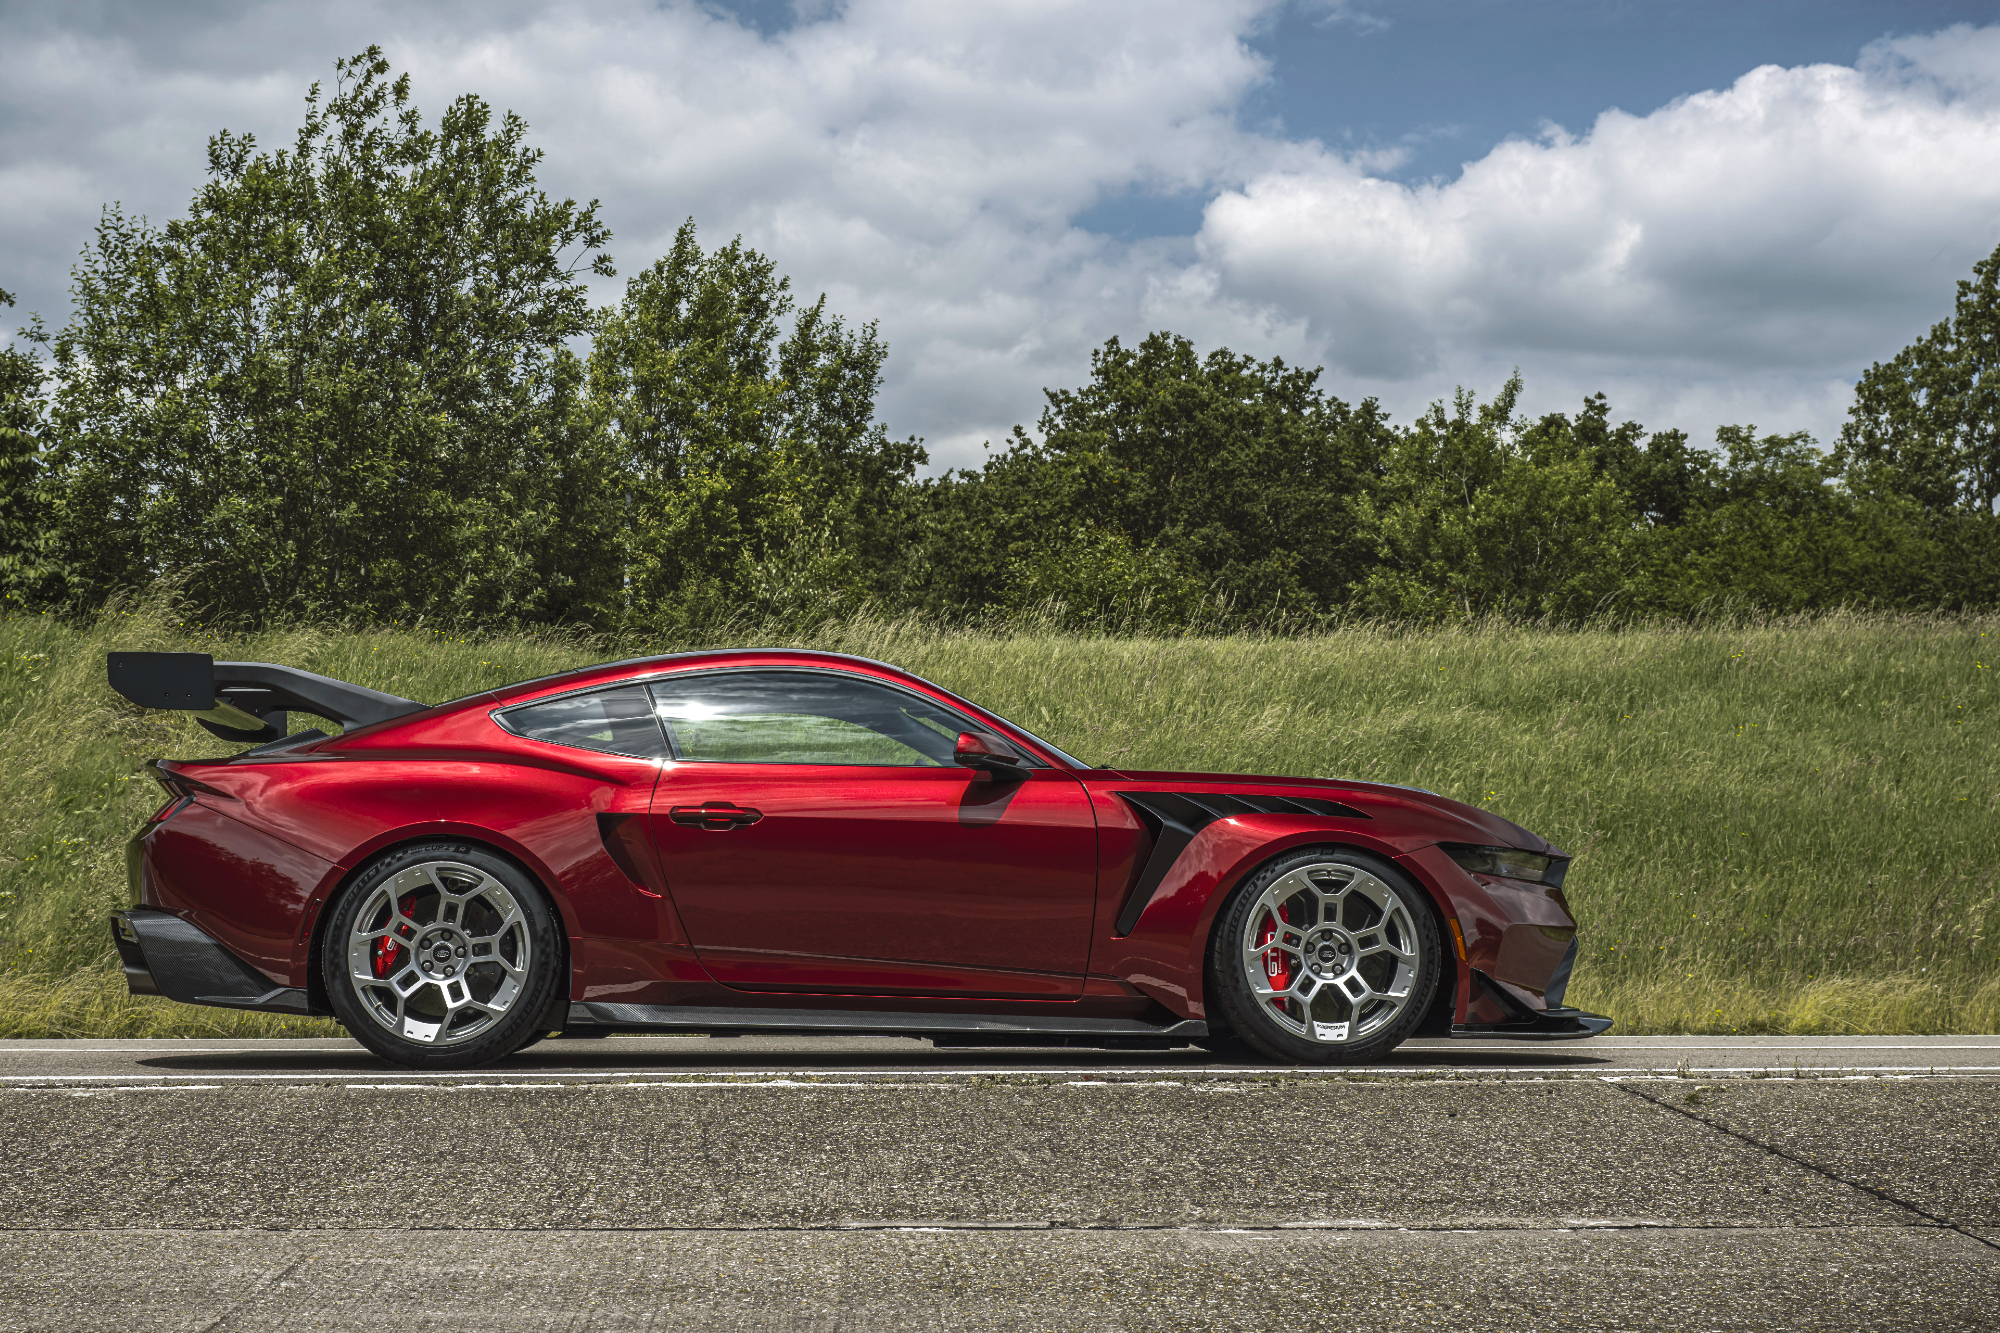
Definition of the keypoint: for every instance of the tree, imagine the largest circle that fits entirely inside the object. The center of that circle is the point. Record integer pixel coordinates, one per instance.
(1478, 516)
(752, 474)
(27, 574)
(1777, 529)
(1926, 424)
(1170, 484)
(1665, 476)
(340, 384)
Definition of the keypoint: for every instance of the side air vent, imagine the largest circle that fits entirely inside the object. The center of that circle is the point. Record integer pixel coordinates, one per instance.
(1173, 818)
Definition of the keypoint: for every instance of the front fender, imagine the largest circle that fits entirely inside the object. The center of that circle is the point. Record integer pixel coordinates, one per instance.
(1165, 954)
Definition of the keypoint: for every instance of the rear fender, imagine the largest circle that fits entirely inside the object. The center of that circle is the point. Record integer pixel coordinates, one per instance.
(1166, 952)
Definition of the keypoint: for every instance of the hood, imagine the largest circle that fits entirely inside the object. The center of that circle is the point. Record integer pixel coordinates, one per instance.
(1473, 825)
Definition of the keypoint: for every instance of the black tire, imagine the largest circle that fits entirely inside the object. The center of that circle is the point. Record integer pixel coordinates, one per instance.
(454, 964)
(1378, 986)
(535, 1038)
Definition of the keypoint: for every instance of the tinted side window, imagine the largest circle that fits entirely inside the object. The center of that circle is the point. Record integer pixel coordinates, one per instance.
(804, 717)
(616, 721)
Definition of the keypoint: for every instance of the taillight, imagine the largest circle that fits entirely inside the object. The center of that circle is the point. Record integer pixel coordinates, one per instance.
(177, 796)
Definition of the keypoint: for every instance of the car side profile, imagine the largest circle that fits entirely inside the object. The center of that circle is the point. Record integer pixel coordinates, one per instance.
(797, 841)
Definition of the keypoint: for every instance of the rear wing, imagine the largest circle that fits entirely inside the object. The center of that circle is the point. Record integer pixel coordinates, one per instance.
(246, 701)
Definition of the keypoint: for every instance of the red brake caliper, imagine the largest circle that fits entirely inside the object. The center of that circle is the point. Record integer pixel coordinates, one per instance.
(1277, 963)
(387, 954)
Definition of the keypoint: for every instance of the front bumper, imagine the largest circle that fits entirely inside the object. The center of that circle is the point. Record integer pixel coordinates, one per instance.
(1555, 1023)
(1542, 1025)
(169, 957)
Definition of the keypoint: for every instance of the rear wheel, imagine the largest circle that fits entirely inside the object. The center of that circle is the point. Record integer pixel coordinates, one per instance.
(441, 955)
(1325, 955)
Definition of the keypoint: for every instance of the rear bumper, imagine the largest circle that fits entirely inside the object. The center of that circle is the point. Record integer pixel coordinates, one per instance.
(169, 957)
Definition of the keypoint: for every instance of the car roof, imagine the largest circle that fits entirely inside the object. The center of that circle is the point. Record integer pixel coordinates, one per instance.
(637, 668)
(601, 674)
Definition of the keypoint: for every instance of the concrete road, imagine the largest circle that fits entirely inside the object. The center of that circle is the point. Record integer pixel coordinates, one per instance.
(813, 1184)
(618, 1057)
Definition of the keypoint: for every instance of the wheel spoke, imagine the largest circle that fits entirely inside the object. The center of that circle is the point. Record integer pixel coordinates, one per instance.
(435, 1009)
(1363, 918)
(511, 919)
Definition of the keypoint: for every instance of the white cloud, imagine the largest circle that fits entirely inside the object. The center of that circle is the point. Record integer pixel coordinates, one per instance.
(1781, 233)
(1738, 255)
(920, 163)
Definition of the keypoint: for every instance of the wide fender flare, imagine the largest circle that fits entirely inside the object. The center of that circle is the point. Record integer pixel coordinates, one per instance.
(1166, 952)
(349, 865)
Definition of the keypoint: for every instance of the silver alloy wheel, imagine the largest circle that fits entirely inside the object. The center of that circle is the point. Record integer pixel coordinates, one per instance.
(439, 952)
(1330, 952)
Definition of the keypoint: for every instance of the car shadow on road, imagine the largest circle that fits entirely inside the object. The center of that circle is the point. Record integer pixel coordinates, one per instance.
(601, 1057)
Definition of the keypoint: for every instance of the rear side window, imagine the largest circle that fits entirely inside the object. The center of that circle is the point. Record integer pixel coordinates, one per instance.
(616, 721)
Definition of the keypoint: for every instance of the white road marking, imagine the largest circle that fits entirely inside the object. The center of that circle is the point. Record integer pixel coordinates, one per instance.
(637, 1083)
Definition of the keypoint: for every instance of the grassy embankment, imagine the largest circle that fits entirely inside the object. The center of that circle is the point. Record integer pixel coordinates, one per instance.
(1779, 827)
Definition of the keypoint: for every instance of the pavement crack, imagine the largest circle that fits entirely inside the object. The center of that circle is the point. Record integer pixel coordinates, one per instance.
(1825, 1173)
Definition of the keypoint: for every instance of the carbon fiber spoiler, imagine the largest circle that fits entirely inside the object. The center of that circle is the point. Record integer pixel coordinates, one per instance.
(246, 701)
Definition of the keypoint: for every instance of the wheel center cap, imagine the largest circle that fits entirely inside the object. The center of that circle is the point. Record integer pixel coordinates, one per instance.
(439, 953)
(1328, 953)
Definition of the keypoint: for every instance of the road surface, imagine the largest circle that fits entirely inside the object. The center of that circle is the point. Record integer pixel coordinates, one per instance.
(873, 1183)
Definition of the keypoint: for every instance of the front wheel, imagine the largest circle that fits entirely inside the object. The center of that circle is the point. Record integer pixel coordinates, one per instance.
(1325, 955)
(441, 956)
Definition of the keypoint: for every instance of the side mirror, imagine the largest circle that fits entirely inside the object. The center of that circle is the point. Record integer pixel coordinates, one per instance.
(989, 754)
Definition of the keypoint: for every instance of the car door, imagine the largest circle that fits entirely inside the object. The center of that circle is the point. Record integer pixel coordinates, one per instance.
(818, 836)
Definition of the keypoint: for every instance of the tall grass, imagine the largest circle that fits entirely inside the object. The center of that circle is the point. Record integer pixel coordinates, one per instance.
(1780, 825)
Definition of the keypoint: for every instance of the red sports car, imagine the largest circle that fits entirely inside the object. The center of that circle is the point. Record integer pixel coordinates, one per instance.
(804, 842)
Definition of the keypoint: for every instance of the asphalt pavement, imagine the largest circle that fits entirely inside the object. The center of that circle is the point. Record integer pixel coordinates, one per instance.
(857, 1184)
(616, 1057)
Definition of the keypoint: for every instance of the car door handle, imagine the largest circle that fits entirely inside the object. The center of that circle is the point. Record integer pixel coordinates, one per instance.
(715, 816)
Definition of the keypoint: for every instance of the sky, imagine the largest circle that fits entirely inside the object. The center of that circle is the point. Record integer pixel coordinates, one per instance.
(1715, 213)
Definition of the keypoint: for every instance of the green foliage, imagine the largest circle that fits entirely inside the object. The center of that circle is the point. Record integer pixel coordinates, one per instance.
(344, 386)
(1776, 528)
(1759, 807)
(752, 477)
(27, 569)
(1170, 485)
(1926, 424)
(340, 385)
(1477, 517)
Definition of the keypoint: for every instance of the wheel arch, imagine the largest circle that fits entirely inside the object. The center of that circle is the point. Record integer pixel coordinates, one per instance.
(316, 990)
(1166, 954)
(1433, 899)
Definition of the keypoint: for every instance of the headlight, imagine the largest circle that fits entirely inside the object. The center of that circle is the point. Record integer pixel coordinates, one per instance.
(1508, 863)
